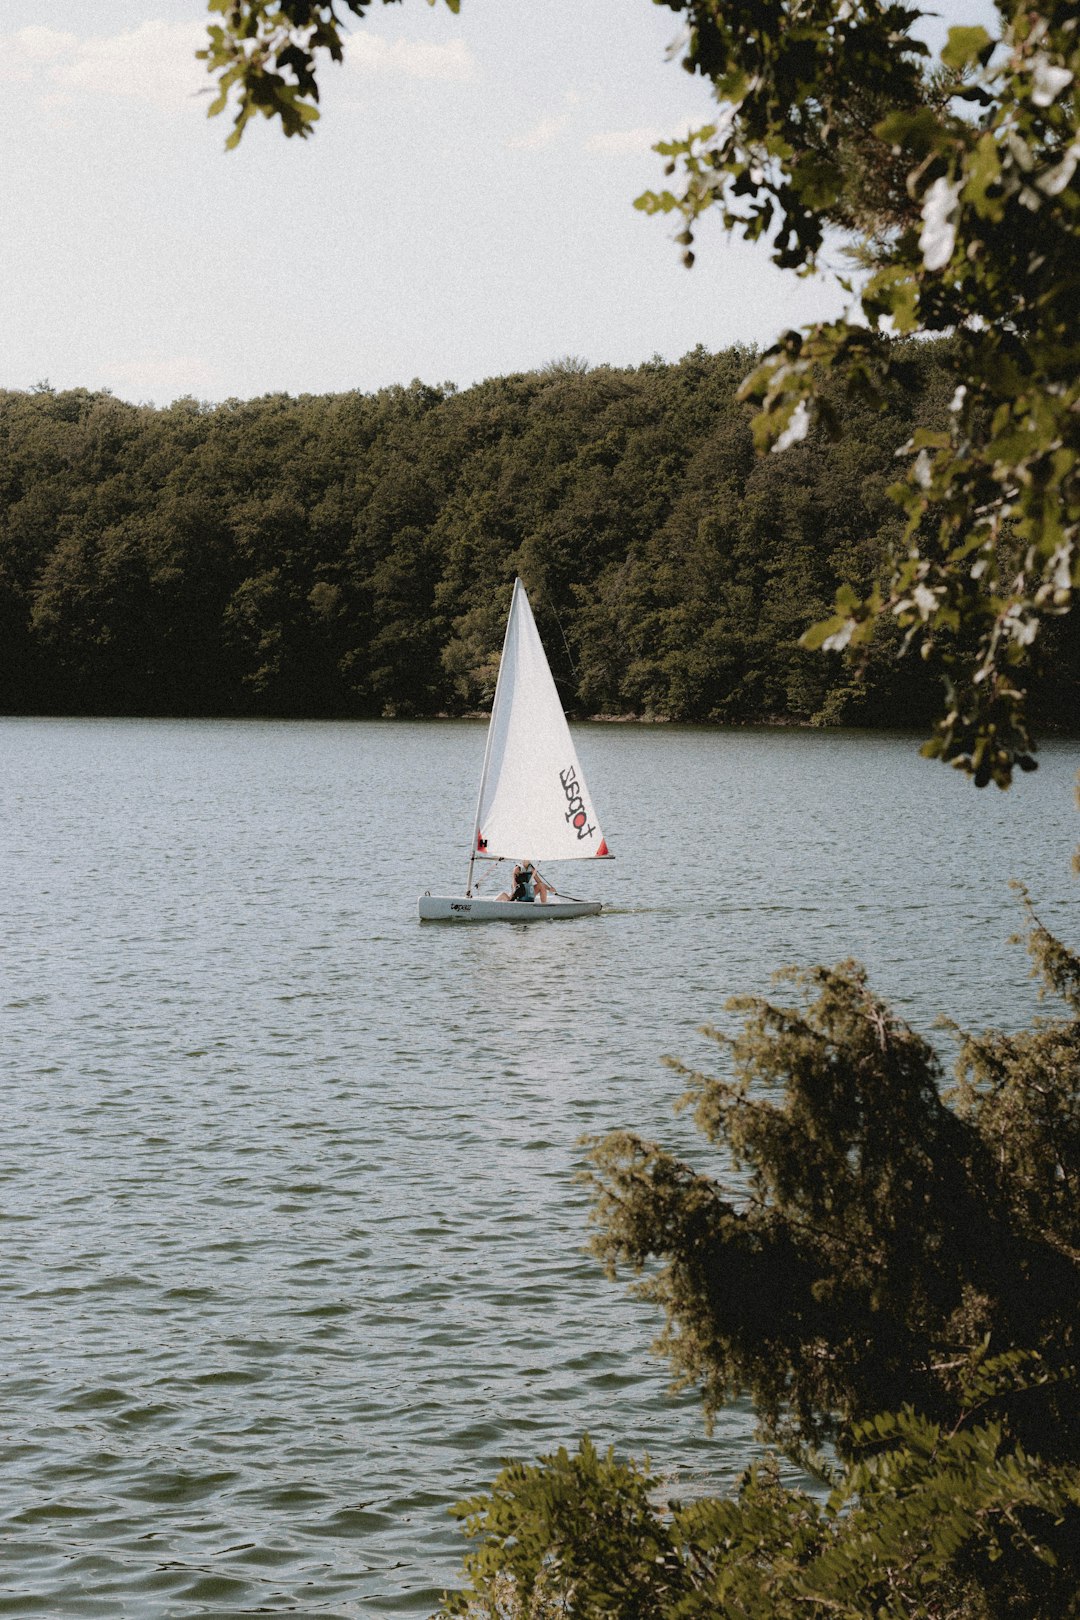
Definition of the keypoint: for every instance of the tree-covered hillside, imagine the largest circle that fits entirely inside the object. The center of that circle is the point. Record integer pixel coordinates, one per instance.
(352, 554)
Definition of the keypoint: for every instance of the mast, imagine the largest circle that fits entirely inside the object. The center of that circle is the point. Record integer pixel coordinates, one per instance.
(490, 733)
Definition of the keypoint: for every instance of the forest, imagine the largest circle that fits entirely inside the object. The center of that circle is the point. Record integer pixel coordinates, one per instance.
(351, 555)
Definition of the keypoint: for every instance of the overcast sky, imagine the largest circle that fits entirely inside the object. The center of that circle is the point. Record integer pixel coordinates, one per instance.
(463, 210)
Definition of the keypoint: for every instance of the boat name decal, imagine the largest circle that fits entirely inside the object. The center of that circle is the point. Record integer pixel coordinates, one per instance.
(576, 813)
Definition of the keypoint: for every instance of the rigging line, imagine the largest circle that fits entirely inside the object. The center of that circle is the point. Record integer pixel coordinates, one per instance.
(492, 871)
(562, 632)
(553, 890)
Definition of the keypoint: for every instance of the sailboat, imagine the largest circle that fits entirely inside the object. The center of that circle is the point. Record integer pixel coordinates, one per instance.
(533, 803)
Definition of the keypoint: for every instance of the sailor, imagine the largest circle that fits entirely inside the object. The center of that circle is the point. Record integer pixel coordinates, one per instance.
(527, 884)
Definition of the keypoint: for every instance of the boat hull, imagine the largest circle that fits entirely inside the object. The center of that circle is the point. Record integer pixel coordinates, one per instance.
(460, 908)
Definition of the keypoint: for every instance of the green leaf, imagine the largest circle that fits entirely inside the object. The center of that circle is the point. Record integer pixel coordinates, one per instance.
(817, 182)
(965, 46)
(893, 293)
(656, 202)
(984, 171)
(921, 132)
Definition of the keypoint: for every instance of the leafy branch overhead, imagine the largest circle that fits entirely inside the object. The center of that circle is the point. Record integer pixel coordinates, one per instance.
(263, 54)
(952, 188)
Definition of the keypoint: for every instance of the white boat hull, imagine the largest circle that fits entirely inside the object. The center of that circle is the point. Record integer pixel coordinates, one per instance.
(460, 908)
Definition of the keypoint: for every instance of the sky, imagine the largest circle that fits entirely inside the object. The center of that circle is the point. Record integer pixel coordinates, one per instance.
(463, 210)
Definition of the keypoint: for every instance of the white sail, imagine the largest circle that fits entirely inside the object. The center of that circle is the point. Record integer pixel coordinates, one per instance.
(534, 804)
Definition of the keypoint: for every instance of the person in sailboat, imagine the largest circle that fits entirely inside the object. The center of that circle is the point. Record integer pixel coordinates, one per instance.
(527, 884)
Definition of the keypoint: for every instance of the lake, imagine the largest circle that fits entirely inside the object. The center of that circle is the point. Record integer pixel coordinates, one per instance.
(292, 1248)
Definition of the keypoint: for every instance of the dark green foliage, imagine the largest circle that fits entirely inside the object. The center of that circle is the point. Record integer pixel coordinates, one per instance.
(956, 186)
(899, 1273)
(887, 1238)
(582, 1523)
(263, 54)
(926, 1525)
(351, 555)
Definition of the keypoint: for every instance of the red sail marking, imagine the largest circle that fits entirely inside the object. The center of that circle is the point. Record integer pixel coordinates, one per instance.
(603, 850)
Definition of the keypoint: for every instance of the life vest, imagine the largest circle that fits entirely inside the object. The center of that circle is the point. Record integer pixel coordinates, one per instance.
(525, 887)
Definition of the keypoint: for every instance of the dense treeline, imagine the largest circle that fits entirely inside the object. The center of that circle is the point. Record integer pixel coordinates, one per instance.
(351, 554)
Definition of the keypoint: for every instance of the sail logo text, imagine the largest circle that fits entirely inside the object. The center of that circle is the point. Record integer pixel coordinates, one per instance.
(576, 813)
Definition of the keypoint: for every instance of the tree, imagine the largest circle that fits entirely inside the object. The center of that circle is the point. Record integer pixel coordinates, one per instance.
(907, 1533)
(889, 1235)
(900, 1277)
(266, 50)
(954, 188)
(335, 555)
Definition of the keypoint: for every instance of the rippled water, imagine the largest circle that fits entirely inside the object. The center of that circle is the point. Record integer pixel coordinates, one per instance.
(291, 1246)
